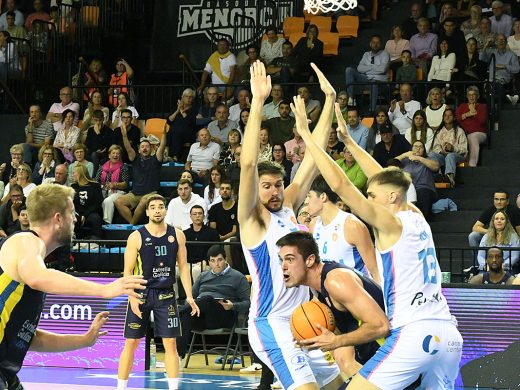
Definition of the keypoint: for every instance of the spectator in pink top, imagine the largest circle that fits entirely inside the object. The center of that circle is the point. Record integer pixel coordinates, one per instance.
(293, 147)
(395, 46)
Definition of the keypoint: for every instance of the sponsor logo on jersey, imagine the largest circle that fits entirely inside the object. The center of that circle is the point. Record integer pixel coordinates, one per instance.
(431, 344)
(165, 296)
(133, 325)
(171, 239)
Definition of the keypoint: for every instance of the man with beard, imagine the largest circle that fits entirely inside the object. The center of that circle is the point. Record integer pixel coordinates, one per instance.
(265, 214)
(24, 281)
(223, 215)
(153, 251)
(496, 274)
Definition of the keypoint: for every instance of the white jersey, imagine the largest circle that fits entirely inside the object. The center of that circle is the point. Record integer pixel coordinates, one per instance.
(411, 276)
(332, 244)
(270, 297)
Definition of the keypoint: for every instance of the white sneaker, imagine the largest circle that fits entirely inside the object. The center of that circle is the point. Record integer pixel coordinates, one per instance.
(510, 98)
(514, 100)
(277, 385)
(255, 367)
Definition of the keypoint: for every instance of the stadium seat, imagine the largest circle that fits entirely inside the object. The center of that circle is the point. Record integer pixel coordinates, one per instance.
(295, 37)
(330, 43)
(90, 16)
(291, 25)
(347, 26)
(324, 23)
(154, 126)
(307, 16)
(419, 74)
(368, 122)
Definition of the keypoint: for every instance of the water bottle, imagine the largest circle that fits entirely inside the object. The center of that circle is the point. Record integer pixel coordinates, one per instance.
(153, 354)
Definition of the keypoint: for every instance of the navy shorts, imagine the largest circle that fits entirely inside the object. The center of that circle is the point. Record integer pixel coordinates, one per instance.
(166, 315)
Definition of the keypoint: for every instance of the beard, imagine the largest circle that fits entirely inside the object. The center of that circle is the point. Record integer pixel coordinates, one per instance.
(157, 220)
(64, 236)
(274, 209)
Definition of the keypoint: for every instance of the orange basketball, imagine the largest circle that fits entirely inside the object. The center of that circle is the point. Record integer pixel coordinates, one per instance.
(305, 316)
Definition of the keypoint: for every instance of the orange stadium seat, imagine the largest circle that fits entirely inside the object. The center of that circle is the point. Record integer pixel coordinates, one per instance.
(368, 122)
(292, 24)
(347, 26)
(330, 43)
(324, 23)
(154, 126)
(295, 37)
(90, 16)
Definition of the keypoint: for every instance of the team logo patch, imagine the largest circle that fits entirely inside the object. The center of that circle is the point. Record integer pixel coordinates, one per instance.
(171, 310)
(431, 344)
(329, 358)
(334, 236)
(298, 359)
(148, 239)
(133, 325)
(171, 239)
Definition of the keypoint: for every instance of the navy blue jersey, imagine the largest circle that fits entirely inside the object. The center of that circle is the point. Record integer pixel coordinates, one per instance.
(157, 258)
(345, 321)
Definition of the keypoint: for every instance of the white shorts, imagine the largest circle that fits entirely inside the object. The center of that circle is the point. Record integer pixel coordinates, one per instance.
(429, 348)
(272, 341)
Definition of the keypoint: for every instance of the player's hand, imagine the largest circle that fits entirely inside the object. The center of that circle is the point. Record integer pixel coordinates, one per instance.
(134, 306)
(325, 85)
(194, 308)
(326, 341)
(300, 114)
(260, 83)
(94, 332)
(124, 286)
(342, 131)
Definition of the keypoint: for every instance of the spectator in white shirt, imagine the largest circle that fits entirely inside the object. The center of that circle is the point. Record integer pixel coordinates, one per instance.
(272, 46)
(221, 65)
(270, 109)
(244, 101)
(401, 112)
(18, 16)
(54, 115)
(203, 155)
(178, 213)
(443, 63)
(501, 23)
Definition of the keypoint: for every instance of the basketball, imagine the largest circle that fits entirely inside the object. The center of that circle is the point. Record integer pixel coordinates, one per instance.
(305, 316)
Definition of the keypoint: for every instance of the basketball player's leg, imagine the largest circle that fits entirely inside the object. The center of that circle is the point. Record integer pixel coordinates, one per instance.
(325, 370)
(360, 383)
(345, 358)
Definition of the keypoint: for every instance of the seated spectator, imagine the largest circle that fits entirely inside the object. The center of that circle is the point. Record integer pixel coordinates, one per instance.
(435, 108)
(182, 125)
(421, 169)
(447, 11)
(233, 170)
(113, 176)
(506, 67)
(420, 130)
(146, 170)
(220, 127)
(10, 211)
(212, 190)
(38, 14)
(132, 133)
(495, 273)
(294, 145)
(46, 165)
(334, 145)
(395, 46)
(23, 179)
(207, 109)
(485, 38)
(371, 68)
(352, 170)
(61, 176)
(119, 83)
(67, 136)
(14, 30)
(443, 64)
(470, 67)
(11, 7)
(279, 156)
(221, 65)
(450, 146)
(270, 110)
(203, 155)
(411, 194)
(23, 218)
(9, 61)
(410, 24)
(391, 146)
(198, 231)
(312, 106)
(308, 49)
(296, 165)
(95, 103)
(244, 101)
(500, 203)
(471, 27)
(244, 117)
(281, 127)
(271, 47)
(57, 109)
(284, 69)
(513, 42)
(453, 36)
(124, 103)
(242, 73)
(472, 117)
(266, 150)
(8, 171)
(501, 23)
(38, 132)
(94, 77)
(99, 138)
(342, 100)
(407, 72)
(423, 45)
(87, 204)
(401, 112)
(381, 121)
(358, 131)
(220, 293)
(223, 216)
(227, 153)
(79, 151)
(500, 233)
(178, 214)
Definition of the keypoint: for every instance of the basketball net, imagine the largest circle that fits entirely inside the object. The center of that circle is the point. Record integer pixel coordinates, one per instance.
(325, 6)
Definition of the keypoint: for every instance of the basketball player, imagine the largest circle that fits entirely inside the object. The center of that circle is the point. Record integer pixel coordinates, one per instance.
(153, 251)
(355, 300)
(423, 339)
(341, 236)
(24, 280)
(266, 213)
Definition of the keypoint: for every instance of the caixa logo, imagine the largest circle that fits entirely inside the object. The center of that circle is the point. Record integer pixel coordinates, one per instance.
(240, 19)
(431, 344)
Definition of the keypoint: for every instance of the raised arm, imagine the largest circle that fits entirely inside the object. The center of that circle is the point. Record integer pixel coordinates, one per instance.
(126, 142)
(298, 189)
(160, 150)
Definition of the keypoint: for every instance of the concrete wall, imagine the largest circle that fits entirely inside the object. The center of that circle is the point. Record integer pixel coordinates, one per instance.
(11, 132)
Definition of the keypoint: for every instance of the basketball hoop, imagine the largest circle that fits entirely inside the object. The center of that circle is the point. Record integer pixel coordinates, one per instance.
(325, 6)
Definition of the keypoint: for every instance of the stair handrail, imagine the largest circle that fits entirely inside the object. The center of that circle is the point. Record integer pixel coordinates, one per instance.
(186, 66)
(493, 109)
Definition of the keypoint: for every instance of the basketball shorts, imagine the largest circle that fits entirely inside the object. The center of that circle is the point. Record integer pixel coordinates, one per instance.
(166, 316)
(272, 341)
(429, 348)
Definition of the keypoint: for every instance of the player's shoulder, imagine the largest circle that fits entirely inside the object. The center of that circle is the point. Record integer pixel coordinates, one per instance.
(339, 278)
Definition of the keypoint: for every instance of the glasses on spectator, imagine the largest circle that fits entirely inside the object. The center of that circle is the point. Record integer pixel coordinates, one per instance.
(277, 150)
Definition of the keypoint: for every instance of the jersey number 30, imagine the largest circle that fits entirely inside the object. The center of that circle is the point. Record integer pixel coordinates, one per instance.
(429, 260)
(160, 250)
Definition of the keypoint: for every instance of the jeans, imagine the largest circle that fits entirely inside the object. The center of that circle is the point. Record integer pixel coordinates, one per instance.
(351, 76)
(474, 239)
(450, 161)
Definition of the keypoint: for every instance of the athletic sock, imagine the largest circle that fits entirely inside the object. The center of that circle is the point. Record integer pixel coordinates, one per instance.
(122, 384)
(173, 383)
